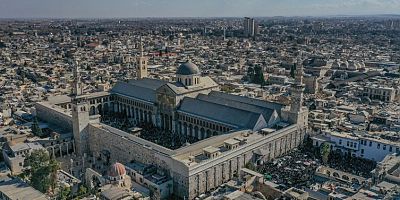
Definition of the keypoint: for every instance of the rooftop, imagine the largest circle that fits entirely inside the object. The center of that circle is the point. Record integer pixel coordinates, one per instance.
(18, 190)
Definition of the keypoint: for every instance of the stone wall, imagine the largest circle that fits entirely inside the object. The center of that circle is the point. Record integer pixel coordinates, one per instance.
(125, 148)
(54, 115)
(210, 174)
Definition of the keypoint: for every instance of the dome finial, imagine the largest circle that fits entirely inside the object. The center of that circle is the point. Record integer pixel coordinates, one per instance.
(188, 59)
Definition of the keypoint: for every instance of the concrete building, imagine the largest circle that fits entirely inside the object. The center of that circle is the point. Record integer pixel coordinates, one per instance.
(14, 155)
(358, 145)
(277, 79)
(150, 177)
(375, 92)
(16, 189)
(249, 27)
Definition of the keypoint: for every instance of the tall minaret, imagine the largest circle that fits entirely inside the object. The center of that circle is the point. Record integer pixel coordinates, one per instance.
(77, 86)
(297, 88)
(80, 115)
(298, 114)
(141, 63)
(224, 33)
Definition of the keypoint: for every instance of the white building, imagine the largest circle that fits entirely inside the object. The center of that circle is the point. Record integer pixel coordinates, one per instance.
(357, 145)
(375, 92)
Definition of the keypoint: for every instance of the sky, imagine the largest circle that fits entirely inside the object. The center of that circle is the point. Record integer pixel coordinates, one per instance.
(192, 8)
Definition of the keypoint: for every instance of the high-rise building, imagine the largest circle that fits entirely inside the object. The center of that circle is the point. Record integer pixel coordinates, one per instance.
(249, 27)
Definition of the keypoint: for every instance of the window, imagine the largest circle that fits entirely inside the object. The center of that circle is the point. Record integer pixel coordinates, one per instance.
(390, 148)
(355, 145)
(378, 146)
(348, 143)
(340, 141)
(362, 151)
(370, 143)
(384, 147)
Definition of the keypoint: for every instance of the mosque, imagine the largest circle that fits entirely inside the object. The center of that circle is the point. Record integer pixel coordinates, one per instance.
(232, 130)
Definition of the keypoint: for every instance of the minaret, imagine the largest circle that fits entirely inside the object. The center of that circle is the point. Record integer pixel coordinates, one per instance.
(141, 63)
(179, 41)
(297, 88)
(80, 115)
(224, 34)
(77, 87)
(298, 114)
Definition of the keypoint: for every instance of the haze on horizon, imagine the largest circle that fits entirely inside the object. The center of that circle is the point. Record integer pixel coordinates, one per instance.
(192, 8)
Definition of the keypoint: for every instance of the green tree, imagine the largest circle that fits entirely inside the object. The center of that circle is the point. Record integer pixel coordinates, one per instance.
(65, 193)
(43, 170)
(292, 69)
(258, 76)
(325, 151)
(35, 128)
(250, 74)
(82, 190)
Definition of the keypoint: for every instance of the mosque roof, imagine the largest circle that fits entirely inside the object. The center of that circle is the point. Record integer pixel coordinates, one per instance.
(247, 100)
(149, 83)
(220, 113)
(188, 68)
(135, 91)
(117, 169)
(266, 112)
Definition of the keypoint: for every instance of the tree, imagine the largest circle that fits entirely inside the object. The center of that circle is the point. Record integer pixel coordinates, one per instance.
(43, 170)
(292, 69)
(250, 74)
(258, 75)
(325, 151)
(35, 128)
(82, 190)
(65, 193)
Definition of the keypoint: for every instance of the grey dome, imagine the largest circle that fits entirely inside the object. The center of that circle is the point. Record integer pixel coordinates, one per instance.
(188, 68)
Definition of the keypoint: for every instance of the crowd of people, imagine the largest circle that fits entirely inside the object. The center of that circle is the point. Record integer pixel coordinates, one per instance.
(149, 132)
(354, 165)
(117, 120)
(164, 138)
(295, 169)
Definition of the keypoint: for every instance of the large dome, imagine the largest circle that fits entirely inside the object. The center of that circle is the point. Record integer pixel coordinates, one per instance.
(188, 68)
(116, 170)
